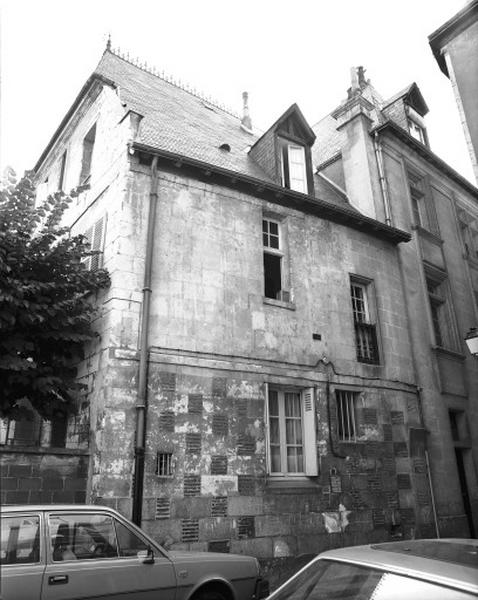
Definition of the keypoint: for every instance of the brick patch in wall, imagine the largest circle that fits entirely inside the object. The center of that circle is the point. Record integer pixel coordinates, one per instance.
(374, 449)
(163, 508)
(357, 500)
(245, 445)
(192, 485)
(246, 485)
(388, 463)
(241, 408)
(400, 449)
(190, 530)
(195, 404)
(423, 498)
(335, 484)
(167, 381)
(220, 425)
(219, 465)
(219, 506)
(245, 527)
(403, 481)
(219, 386)
(392, 500)
(378, 518)
(193, 443)
(369, 416)
(387, 433)
(219, 546)
(374, 482)
(166, 421)
(397, 417)
(419, 465)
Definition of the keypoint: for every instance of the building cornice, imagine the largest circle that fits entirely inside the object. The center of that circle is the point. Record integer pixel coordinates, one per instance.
(276, 194)
(427, 154)
(449, 30)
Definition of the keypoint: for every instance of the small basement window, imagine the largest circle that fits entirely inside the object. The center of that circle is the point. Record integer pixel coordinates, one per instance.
(164, 464)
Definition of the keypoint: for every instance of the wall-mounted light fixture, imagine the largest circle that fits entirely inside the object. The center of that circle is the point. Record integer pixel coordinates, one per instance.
(471, 340)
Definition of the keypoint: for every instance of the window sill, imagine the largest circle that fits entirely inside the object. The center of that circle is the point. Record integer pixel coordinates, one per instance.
(279, 303)
(292, 485)
(430, 235)
(451, 353)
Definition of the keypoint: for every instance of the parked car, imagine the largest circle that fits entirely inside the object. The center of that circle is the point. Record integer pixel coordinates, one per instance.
(406, 570)
(82, 552)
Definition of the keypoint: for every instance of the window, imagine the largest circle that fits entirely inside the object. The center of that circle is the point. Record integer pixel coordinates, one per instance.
(346, 415)
(293, 166)
(469, 236)
(88, 145)
(273, 260)
(417, 131)
(61, 177)
(82, 536)
(422, 204)
(32, 430)
(20, 540)
(164, 464)
(94, 235)
(441, 316)
(365, 329)
(291, 432)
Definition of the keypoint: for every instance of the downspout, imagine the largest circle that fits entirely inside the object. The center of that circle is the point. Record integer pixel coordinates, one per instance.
(141, 399)
(383, 182)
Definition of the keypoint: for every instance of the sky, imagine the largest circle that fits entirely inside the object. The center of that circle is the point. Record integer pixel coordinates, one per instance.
(280, 51)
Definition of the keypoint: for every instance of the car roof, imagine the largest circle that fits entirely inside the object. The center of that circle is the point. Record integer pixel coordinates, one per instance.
(451, 562)
(10, 508)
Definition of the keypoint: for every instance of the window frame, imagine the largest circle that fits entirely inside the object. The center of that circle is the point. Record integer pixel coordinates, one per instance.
(441, 310)
(285, 147)
(306, 397)
(366, 334)
(280, 254)
(421, 202)
(351, 398)
(88, 149)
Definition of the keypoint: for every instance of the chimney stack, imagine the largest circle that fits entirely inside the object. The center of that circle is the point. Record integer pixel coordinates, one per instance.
(246, 119)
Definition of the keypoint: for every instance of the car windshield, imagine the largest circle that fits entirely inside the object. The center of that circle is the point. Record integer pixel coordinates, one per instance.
(330, 580)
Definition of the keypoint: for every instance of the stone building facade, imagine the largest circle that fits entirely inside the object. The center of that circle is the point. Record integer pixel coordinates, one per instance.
(269, 377)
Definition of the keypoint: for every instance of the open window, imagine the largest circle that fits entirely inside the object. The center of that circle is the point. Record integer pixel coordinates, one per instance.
(291, 427)
(95, 235)
(274, 259)
(86, 160)
(442, 317)
(293, 166)
(423, 209)
(366, 342)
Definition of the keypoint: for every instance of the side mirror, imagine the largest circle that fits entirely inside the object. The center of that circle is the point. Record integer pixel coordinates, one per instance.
(146, 556)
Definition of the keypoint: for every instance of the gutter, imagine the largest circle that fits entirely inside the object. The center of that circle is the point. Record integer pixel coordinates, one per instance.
(381, 175)
(141, 398)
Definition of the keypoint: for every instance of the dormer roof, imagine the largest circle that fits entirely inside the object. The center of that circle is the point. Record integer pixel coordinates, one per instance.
(412, 96)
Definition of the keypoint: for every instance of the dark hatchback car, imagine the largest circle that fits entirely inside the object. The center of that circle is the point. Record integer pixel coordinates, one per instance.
(407, 570)
(90, 552)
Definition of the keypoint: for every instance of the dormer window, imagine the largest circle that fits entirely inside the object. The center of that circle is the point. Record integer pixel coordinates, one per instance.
(293, 166)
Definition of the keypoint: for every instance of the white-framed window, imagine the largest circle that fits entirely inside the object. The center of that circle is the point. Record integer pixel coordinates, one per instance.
(293, 167)
(346, 403)
(291, 428)
(365, 327)
(272, 235)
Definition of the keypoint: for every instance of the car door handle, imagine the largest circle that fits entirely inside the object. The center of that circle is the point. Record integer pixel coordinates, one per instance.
(57, 579)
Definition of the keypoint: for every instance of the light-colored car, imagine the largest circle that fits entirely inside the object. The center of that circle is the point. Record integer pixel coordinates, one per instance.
(84, 552)
(406, 570)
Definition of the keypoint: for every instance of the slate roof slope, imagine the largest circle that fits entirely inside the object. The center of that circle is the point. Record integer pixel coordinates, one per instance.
(177, 121)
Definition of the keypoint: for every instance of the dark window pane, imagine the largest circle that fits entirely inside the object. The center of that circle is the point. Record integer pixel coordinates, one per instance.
(272, 275)
(129, 543)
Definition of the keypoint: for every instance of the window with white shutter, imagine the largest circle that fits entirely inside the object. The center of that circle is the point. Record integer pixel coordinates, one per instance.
(95, 237)
(291, 429)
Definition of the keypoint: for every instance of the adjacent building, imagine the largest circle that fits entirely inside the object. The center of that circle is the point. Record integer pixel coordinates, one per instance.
(280, 366)
(455, 46)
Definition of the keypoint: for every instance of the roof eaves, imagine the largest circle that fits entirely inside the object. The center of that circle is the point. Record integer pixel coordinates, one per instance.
(422, 150)
(340, 214)
(451, 28)
(95, 77)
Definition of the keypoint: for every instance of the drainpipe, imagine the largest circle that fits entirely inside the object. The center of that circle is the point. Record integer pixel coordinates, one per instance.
(141, 399)
(381, 175)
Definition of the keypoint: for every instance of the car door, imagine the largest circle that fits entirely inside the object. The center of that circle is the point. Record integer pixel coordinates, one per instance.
(93, 555)
(21, 557)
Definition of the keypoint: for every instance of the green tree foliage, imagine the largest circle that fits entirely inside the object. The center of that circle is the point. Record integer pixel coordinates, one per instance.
(46, 301)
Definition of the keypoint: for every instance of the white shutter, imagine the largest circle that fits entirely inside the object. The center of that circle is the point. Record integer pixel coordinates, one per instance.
(266, 428)
(310, 433)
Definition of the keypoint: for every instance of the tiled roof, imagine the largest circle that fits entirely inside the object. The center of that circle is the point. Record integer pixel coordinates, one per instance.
(178, 121)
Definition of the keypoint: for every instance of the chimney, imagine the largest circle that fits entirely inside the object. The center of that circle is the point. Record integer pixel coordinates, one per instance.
(246, 119)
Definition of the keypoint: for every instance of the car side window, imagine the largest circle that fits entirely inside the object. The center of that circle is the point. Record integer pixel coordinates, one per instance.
(129, 544)
(20, 540)
(331, 580)
(82, 537)
(407, 588)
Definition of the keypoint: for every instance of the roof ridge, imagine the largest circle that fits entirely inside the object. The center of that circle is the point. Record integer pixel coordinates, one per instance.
(168, 78)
